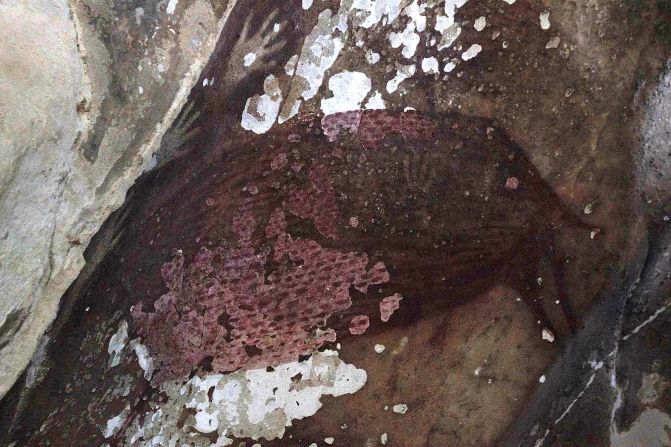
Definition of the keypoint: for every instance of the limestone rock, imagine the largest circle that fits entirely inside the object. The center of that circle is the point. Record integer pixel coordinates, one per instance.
(87, 90)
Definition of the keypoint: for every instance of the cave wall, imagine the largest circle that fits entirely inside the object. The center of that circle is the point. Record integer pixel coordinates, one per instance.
(88, 89)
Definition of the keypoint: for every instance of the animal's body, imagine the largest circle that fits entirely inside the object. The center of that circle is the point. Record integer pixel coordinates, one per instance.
(313, 223)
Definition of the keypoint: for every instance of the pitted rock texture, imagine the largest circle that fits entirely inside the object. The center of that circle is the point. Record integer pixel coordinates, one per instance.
(260, 287)
(227, 307)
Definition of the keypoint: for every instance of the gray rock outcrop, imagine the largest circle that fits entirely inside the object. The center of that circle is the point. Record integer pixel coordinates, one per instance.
(88, 88)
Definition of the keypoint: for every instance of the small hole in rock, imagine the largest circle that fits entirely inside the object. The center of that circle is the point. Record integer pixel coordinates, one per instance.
(253, 351)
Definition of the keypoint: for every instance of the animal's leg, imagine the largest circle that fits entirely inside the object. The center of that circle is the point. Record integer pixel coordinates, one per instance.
(558, 271)
(552, 298)
(523, 278)
(534, 280)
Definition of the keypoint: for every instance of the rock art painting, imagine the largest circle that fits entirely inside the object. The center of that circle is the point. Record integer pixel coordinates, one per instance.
(266, 293)
(436, 223)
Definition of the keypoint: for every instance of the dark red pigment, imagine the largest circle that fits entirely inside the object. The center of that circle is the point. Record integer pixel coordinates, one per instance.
(317, 203)
(423, 208)
(225, 307)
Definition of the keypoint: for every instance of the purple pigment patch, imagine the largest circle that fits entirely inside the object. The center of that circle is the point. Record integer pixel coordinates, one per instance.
(279, 162)
(334, 124)
(359, 324)
(316, 203)
(226, 307)
(374, 126)
(388, 305)
(229, 309)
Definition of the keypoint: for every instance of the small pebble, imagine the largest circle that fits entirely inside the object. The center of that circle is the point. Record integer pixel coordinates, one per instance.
(589, 208)
(480, 23)
(553, 43)
(545, 20)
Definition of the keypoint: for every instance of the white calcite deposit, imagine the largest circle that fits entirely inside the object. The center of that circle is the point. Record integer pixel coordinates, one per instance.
(261, 110)
(349, 89)
(257, 403)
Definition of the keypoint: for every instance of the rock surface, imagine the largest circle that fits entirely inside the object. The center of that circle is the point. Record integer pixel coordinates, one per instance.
(88, 89)
(262, 217)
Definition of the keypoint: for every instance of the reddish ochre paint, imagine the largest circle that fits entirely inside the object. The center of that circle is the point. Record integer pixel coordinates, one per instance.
(318, 203)
(304, 219)
(225, 307)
